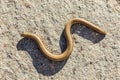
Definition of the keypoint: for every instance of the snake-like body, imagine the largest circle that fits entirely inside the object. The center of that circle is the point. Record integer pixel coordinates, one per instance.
(68, 37)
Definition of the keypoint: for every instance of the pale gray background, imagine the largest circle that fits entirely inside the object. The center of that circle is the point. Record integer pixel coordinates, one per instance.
(94, 56)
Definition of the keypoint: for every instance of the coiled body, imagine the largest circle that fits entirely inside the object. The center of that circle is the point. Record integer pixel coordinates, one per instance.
(68, 37)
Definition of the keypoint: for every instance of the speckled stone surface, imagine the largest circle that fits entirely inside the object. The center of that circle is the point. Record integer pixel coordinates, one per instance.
(94, 56)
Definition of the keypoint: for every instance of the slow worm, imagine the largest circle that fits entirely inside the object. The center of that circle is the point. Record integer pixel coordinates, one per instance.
(68, 37)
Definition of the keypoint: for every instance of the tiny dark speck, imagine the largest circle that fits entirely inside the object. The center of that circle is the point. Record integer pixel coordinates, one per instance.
(74, 69)
(41, 64)
(90, 62)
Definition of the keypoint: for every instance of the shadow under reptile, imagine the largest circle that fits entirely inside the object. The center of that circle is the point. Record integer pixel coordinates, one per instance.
(46, 66)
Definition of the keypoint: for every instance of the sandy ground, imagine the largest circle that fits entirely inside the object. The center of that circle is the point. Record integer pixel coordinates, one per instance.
(94, 57)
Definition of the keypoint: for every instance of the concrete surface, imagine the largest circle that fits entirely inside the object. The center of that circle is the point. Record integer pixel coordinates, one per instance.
(94, 57)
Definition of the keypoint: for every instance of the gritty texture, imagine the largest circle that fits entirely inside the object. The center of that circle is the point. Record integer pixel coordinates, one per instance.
(94, 56)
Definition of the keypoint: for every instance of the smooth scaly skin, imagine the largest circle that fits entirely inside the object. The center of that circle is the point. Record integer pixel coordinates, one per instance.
(68, 36)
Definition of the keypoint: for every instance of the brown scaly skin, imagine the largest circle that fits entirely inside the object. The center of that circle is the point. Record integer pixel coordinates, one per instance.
(68, 36)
